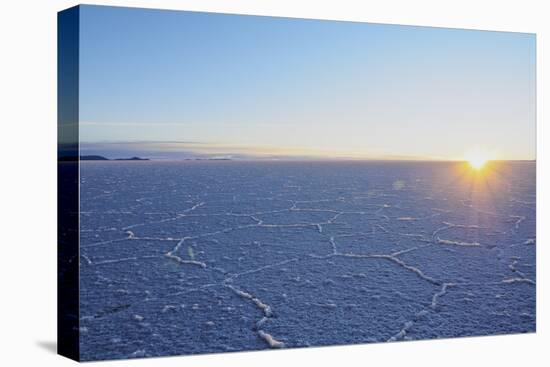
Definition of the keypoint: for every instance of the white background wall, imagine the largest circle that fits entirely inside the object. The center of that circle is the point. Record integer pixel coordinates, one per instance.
(28, 181)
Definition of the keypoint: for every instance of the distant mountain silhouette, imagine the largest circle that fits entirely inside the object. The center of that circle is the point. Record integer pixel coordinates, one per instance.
(132, 159)
(93, 158)
(99, 158)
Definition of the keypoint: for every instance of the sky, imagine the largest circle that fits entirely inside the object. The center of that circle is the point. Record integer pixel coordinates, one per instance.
(174, 84)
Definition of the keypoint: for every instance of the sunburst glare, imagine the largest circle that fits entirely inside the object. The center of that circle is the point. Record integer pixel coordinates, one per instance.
(477, 159)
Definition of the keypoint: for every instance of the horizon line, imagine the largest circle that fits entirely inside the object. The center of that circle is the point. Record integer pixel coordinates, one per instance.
(189, 149)
(297, 159)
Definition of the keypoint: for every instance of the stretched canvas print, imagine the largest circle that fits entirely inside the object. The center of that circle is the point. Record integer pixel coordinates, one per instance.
(236, 183)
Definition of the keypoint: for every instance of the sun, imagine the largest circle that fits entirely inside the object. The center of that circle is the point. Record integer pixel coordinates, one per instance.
(477, 162)
(477, 159)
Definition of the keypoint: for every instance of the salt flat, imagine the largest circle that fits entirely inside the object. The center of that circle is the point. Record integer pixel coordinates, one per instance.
(213, 256)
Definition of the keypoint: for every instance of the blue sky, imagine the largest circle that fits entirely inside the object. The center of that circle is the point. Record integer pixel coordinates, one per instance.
(250, 85)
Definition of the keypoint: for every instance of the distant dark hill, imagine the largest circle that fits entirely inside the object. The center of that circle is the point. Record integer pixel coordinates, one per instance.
(73, 158)
(132, 159)
(99, 158)
(93, 158)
